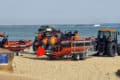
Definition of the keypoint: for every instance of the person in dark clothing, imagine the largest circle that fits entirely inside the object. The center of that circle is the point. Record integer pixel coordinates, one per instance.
(63, 36)
(69, 35)
(5, 39)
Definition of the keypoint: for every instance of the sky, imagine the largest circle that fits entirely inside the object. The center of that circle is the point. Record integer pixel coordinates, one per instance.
(15, 12)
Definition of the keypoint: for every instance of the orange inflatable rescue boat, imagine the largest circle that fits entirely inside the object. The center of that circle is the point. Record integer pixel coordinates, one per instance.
(14, 45)
(17, 45)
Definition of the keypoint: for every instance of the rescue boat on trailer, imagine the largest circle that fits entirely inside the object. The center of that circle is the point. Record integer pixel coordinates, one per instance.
(70, 45)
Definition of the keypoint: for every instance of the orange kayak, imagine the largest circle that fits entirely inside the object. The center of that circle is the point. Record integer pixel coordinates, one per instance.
(18, 45)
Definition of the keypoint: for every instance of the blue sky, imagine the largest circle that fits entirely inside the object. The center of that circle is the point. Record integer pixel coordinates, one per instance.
(59, 11)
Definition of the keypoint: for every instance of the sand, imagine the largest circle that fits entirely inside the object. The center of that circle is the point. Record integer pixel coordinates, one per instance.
(28, 67)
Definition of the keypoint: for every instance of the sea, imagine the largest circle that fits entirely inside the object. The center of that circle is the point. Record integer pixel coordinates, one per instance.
(28, 32)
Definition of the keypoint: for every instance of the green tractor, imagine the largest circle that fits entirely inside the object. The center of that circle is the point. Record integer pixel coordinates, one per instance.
(107, 43)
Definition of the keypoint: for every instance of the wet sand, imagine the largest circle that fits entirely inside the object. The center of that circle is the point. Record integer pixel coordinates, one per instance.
(28, 67)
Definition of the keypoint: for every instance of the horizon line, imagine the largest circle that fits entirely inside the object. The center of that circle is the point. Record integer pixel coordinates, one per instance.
(63, 24)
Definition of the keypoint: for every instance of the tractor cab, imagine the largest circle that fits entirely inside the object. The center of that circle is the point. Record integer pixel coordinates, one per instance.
(106, 34)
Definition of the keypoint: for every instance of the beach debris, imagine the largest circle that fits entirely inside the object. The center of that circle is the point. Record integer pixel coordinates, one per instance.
(6, 58)
(118, 73)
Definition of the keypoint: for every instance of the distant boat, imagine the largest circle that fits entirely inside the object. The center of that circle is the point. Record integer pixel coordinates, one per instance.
(96, 25)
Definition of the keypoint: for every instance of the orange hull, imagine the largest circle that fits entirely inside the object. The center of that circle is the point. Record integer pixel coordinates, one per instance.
(2, 35)
(69, 50)
(18, 45)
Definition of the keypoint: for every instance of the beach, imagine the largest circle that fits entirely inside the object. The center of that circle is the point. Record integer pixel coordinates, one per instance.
(59, 40)
(29, 67)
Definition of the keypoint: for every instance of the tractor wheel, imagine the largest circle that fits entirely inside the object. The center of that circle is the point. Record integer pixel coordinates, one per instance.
(76, 57)
(118, 49)
(111, 49)
(82, 56)
(100, 50)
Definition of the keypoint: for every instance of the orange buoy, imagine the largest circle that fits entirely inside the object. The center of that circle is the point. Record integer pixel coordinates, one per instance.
(40, 51)
(45, 40)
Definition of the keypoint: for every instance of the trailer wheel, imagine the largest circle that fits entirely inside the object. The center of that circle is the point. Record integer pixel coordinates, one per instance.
(76, 57)
(18, 53)
(51, 58)
(82, 56)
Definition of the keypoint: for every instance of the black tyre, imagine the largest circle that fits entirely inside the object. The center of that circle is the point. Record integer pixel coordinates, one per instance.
(100, 49)
(82, 56)
(118, 49)
(76, 57)
(17, 53)
(51, 58)
(111, 49)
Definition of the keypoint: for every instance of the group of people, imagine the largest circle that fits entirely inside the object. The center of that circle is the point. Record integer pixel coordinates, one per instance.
(46, 39)
(49, 39)
(70, 36)
(52, 38)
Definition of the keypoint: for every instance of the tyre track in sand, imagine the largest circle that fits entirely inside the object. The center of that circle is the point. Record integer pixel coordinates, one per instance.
(95, 68)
